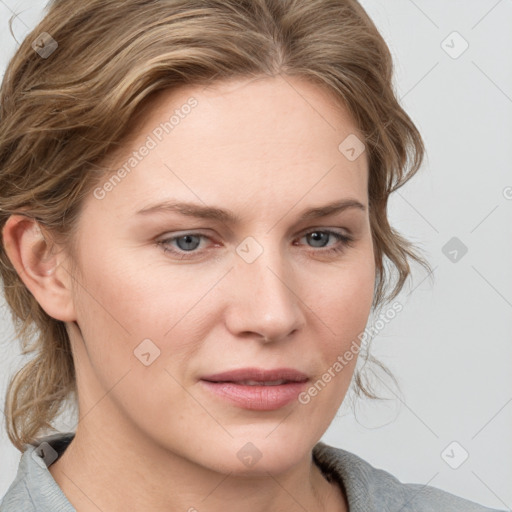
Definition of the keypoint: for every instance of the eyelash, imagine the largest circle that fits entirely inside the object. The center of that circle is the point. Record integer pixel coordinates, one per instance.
(344, 241)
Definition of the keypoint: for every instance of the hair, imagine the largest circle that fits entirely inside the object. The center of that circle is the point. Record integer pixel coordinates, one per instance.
(61, 115)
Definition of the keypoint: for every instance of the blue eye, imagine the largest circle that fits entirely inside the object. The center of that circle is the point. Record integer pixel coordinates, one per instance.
(344, 240)
(188, 242)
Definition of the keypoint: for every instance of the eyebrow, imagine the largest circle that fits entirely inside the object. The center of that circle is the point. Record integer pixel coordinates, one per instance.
(229, 217)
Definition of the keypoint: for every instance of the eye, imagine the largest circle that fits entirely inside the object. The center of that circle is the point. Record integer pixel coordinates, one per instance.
(318, 236)
(185, 245)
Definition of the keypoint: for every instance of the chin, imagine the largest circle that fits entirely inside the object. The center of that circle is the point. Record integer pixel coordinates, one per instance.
(259, 454)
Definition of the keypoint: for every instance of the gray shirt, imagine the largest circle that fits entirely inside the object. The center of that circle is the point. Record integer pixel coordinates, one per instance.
(368, 489)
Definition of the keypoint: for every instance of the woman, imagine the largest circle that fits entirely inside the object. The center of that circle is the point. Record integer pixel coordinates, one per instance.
(170, 170)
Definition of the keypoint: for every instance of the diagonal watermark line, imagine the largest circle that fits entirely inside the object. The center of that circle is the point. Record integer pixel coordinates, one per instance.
(491, 286)
(223, 223)
(416, 494)
(165, 165)
(194, 305)
(506, 505)
(484, 218)
(14, 14)
(96, 300)
(487, 14)
(420, 80)
(429, 274)
(410, 409)
(286, 490)
(205, 409)
(492, 418)
(89, 411)
(281, 76)
(418, 212)
(303, 196)
(281, 422)
(216, 487)
(81, 490)
(424, 13)
(492, 81)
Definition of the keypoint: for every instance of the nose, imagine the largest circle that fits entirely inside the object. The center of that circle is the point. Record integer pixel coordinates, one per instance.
(265, 303)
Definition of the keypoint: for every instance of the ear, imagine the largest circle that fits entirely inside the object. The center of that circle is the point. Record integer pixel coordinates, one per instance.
(40, 265)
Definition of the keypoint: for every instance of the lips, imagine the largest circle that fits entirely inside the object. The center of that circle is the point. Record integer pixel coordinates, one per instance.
(256, 389)
(258, 376)
(260, 383)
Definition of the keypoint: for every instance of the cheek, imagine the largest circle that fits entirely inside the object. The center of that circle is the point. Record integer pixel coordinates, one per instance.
(121, 289)
(121, 301)
(124, 321)
(122, 308)
(346, 294)
(110, 308)
(343, 309)
(340, 315)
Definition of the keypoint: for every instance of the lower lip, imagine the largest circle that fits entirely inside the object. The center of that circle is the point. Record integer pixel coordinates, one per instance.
(256, 398)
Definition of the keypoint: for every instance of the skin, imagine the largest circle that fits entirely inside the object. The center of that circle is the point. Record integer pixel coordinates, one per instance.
(266, 149)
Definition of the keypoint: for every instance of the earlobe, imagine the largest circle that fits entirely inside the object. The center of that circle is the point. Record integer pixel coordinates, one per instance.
(40, 265)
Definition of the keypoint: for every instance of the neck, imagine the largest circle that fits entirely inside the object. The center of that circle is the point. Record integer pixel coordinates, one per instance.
(111, 464)
(107, 471)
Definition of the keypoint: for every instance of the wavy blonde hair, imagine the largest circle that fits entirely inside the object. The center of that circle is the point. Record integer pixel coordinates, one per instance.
(61, 115)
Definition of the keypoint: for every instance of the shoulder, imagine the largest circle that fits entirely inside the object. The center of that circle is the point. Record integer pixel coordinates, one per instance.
(34, 489)
(371, 489)
(17, 498)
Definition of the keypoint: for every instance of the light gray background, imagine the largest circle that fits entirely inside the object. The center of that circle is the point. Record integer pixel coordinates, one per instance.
(450, 347)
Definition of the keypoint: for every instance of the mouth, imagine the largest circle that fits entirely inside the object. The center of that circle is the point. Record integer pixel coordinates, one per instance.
(258, 376)
(256, 382)
(257, 389)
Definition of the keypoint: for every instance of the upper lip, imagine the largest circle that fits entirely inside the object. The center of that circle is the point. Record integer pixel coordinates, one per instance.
(258, 375)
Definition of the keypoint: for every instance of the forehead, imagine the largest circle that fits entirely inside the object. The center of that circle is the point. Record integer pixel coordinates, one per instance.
(258, 109)
(274, 137)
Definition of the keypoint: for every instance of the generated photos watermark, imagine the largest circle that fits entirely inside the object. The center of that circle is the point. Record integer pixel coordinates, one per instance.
(151, 142)
(343, 360)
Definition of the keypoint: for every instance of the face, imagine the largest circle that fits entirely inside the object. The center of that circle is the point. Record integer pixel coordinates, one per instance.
(164, 298)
